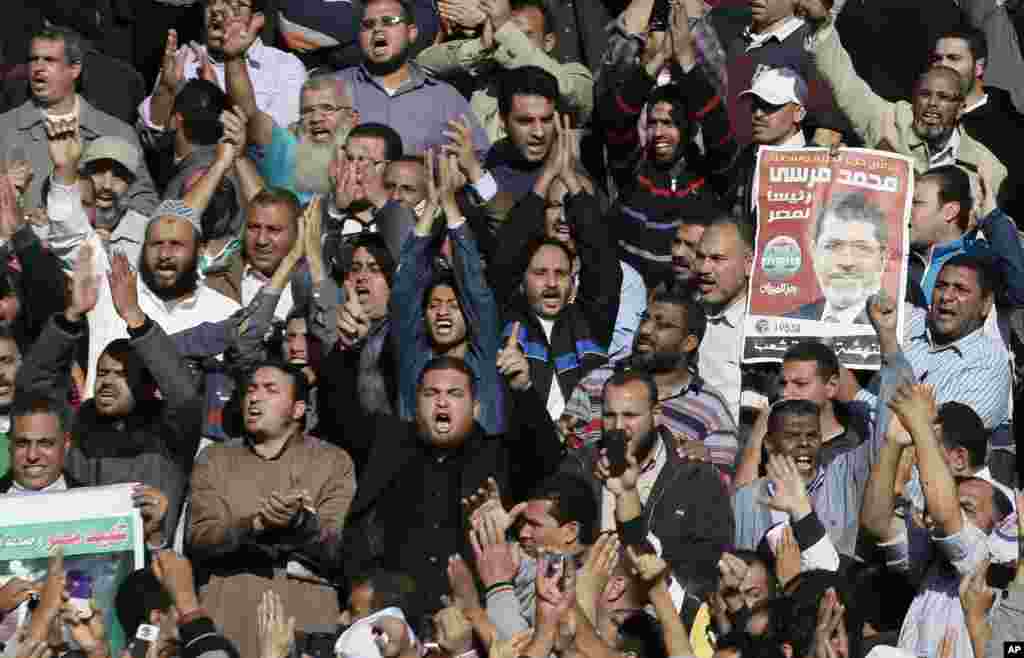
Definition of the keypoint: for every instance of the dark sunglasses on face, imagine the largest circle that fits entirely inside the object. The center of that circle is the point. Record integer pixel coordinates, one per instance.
(384, 21)
(758, 103)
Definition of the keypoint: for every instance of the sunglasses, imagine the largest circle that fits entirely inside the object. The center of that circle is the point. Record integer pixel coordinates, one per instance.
(384, 21)
(758, 103)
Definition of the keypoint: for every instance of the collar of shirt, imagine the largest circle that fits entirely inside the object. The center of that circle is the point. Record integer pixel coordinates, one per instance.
(60, 484)
(417, 78)
(254, 56)
(980, 103)
(947, 155)
(732, 314)
(959, 346)
(780, 33)
(939, 250)
(251, 273)
(5, 424)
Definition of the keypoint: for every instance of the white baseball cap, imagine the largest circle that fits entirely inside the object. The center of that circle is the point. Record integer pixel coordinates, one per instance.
(778, 87)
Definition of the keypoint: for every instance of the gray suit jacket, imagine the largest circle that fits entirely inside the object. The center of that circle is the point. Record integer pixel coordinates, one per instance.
(23, 127)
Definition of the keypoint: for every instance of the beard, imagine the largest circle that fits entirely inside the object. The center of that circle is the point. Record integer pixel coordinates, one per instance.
(658, 361)
(109, 218)
(935, 136)
(389, 66)
(852, 295)
(645, 444)
(185, 284)
(312, 163)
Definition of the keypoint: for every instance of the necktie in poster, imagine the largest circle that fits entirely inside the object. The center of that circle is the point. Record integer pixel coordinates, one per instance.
(832, 231)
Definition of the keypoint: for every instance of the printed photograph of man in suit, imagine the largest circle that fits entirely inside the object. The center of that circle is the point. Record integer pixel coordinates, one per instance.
(849, 255)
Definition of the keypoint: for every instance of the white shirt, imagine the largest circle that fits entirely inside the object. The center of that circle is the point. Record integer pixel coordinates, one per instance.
(718, 358)
(60, 484)
(276, 76)
(253, 281)
(947, 155)
(780, 33)
(556, 401)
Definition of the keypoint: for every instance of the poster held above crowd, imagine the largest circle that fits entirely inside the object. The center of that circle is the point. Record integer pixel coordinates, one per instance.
(832, 231)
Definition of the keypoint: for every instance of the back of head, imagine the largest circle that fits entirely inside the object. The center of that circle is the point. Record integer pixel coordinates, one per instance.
(572, 501)
(200, 104)
(525, 81)
(963, 428)
(954, 186)
(139, 595)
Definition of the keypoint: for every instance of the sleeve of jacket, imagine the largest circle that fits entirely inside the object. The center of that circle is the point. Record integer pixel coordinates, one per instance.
(537, 442)
(46, 369)
(575, 81)
(707, 107)
(42, 280)
(452, 57)
(868, 112)
(600, 285)
(183, 407)
(342, 421)
(323, 309)
(408, 333)
(1005, 245)
(482, 305)
(505, 272)
(616, 117)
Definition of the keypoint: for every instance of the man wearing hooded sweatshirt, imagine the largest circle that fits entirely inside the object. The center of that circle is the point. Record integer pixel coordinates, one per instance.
(668, 180)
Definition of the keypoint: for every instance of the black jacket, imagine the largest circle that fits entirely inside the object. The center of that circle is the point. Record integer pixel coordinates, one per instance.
(688, 510)
(991, 124)
(39, 285)
(520, 459)
(154, 444)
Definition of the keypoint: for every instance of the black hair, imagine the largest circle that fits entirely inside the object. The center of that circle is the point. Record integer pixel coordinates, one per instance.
(975, 39)
(137, 374)
(375, 244)
(535, 245)
(139, 595)
(622, 377)
(824, 357)
(883, 599)
(31, 404)
(550, 26)
(675, 96)
(200, 104)
(744, 228)
(789, 408)
(853, 206)
(642, 635)
(748, 646)
(765, 559)
(572, 499)
(525, 81)
(448, 363)
(963, 428)
(393, 148)
(954, 187)
(694, 317)
(981, 266)
(300, 386)
(390, 588)
(802, 616)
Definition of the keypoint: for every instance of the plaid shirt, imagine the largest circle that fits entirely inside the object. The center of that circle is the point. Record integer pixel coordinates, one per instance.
(696, 413)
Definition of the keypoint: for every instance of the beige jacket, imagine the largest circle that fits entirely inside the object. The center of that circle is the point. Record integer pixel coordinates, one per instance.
(880, 123)
(512, 50)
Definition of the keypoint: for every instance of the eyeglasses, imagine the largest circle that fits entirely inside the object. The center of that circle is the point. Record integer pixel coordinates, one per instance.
(384, 21)
(234, 7)
(363, 161)
(325, 109)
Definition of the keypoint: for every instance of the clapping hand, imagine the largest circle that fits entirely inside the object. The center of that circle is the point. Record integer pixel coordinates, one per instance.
(124, 291)
(276, 634)
(84, 285)
(353, 323)
(790, 492)
(461, 145)
(915, 406)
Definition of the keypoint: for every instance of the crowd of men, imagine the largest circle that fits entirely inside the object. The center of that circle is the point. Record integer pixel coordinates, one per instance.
(426, 317)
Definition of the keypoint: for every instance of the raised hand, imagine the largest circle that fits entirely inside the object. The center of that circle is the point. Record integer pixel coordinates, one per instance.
(353, 324)
(312, 220)
(830, 614)
(976, 596)
(206, 70)
(124, 291)
(732, 571)
(461, 145)
(597, 569)
(175, 573)
(790, 492)
(11, 216)
(464, 13)
(232, 143)
(915, 406)
(451, 182)
(486, 503)
(85, 288)
(897, 434)
(454, 632)
(460, 580)
(87, 630)
(498, 12)
(656, 54)
(557, 162)
(680, 36)
(512, 363)
(172, 72)
(152, 504)
(496, 560)
(346, 181)
(815, 11)
(64, 142)
(275, 634)
(787, 557)
(648, 567)
(51, 598)
(240, 34)
(882, 312)
(619, 484)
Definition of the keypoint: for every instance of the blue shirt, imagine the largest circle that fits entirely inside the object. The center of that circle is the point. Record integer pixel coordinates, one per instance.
(419, 110)
(276, 161)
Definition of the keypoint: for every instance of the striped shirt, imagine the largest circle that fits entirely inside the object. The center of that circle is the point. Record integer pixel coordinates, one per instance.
(973, 370)
(695, 413)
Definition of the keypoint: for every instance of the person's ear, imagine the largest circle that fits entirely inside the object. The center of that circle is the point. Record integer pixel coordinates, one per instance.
(801, 113)
(549, 42)
(155, 617)
(950, 211)
(298, 410)
(413, 31)
(979, 69)
(257, 21)
(570, 532)
(67, 442)
(691, 344)
(476, 409)
(832, 386)
(787, 649)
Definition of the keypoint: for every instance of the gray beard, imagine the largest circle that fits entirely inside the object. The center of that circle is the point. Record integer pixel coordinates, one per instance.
(109, 218)
(312, 161)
